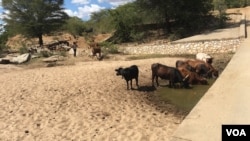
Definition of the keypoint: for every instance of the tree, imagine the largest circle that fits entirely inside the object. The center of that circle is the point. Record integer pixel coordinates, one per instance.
(34, 18)
(125, 18)
(74, 26)
(101, 21)
(236, 3)
(164, 8)
(182, 11)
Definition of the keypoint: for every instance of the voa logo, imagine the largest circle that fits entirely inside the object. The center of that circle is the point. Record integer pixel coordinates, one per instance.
(236, 132)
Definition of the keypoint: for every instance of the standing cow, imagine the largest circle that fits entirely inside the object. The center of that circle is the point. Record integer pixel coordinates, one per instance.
(95, 49)
(169, 73)
(128, 74)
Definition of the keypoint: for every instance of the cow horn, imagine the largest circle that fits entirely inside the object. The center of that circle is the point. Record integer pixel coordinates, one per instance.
(184, 79)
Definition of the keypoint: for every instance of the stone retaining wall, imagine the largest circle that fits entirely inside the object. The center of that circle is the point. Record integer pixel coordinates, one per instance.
(214, 46)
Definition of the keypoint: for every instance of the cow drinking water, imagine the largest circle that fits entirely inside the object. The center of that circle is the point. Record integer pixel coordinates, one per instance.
(203, 69)
(169, 73)
(128, 74)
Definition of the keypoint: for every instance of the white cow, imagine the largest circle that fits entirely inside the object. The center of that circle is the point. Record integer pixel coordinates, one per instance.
(204, 57)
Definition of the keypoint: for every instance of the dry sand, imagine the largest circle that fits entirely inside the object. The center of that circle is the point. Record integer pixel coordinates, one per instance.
(86, 101)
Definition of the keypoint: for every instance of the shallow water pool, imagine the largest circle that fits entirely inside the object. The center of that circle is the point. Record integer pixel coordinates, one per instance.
(184, 99)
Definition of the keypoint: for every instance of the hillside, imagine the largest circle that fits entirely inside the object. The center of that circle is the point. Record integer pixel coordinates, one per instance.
(19, 41)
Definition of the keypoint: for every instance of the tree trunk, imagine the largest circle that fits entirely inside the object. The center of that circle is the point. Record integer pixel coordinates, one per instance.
(168, 24)
(40, 37)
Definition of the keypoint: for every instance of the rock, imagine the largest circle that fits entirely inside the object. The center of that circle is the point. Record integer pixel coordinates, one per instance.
(4, 60)
(54, 58)
(71, 51)
(21, 58)
(50, 60)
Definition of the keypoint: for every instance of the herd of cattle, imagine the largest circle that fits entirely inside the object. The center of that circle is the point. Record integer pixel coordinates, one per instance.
(186, 72)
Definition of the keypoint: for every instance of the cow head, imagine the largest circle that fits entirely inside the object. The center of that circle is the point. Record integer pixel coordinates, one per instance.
(216, 73)
(119, 71)
(209, 60)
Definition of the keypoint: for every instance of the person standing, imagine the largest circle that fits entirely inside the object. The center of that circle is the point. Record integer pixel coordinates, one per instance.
(74, 46)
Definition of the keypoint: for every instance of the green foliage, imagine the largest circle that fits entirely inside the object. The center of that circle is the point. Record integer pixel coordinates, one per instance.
(125, 18)
(186, 14)
(109, 47)
(3, 40)
(63, 53)
(23, 49)
(33, 18)
(137, 36)
(101, 21)
(179, 18)
(236, 3)
(74, 26)
(46, 53)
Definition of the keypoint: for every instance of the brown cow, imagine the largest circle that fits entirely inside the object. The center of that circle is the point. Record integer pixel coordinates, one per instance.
(169, 73)
(193, 78)
(180, 63)
(96, 49)
(202, 68)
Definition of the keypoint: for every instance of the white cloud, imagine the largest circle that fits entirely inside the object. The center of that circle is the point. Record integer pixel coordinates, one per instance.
(85, 11)
(115, 2)
(81, 1)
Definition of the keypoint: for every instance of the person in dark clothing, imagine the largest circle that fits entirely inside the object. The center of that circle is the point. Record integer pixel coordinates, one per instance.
(74, 46)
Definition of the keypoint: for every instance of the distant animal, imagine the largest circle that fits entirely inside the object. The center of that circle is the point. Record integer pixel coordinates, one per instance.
(168, 73)
(95, 49)
(193, 78)
(203, 69)
(204, 57)
(129, 74)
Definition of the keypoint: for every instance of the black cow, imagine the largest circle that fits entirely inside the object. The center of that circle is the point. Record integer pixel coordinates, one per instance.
(169, 73)
(128, 74)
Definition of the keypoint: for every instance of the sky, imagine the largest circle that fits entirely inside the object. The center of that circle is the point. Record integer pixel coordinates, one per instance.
(83, 8)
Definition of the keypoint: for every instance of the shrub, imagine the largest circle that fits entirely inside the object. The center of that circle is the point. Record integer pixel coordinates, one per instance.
(23, 49)
(63, 53)
(109, 47)
(137, 36)
(46, 53)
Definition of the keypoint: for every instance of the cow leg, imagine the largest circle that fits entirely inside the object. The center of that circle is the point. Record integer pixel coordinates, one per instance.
(170, 84)
(136, 79)
(156, 78)
(131, 84)
(127, 85)
(153, 77)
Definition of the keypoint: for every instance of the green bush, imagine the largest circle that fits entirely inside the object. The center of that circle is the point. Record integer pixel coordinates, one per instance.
(3, 48)
(23, 50)
(137, 36)
(109, 47)
(63, 53)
